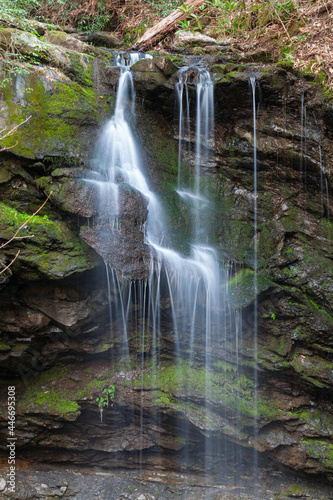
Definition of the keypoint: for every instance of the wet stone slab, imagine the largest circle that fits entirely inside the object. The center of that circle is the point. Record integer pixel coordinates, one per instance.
(88, 484)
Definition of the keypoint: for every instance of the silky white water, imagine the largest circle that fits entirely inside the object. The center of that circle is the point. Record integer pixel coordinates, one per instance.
(183, 298)
(119, 158)
(255, 283)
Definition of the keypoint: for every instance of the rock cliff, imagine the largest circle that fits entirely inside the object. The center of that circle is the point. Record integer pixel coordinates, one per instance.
(54, 320)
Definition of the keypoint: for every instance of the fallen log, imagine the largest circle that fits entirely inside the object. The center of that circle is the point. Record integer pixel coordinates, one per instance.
(165, 27)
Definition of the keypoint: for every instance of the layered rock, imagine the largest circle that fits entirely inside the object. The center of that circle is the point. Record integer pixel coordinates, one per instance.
(55, 326)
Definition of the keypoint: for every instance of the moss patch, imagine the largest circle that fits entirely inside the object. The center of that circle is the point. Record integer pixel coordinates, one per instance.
(320, 450)
(224, 388)
(56, 392)
(48, 246)
(63, 115)
(315, 370)
(243, 287)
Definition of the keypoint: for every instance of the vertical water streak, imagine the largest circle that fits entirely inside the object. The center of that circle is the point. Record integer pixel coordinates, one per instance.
(142, 337)
(321, 182)
(179, 93)
(110, 309)
(203, 135)
(188, 122)
(327, 200)
(193, 283)
(255, 284)
(301, 148)
(305, 144)
(238, 329)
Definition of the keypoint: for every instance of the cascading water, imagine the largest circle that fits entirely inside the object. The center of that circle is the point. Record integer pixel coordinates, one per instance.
(184, 297)
(118, 153)
(203, 137)
(204, 256)
(255, 268)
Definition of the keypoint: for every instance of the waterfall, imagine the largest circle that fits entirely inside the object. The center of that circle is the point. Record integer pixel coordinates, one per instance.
(186, 278)
(184, 297)
(203, 137)
(255, 268)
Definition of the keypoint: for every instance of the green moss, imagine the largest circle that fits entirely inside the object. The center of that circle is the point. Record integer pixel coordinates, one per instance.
(14, 218)
(315, 370)
(236, 238)
(82, 68)
(241, 288)
(267, 240)
(54, 404)
(289, 221)
(320, 450)
(280, 345)
(288, 65)
(270, 360)
(48, 246)
(295, 491)
(323, 348)
(177, 59)
(4, 347)
(55, 393)
(163, 399)
(315, 419)
(163, 158)
(238, 75)
(327, 228)
(320, 310)
(60, 113)
(196, 382)
(39, 397)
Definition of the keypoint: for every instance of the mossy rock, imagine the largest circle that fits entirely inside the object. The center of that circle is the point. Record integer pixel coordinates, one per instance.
(321, 451)
(62, 399)
(48, 248)
(64, 116)
(5, 175)
(52, 403)
(76, 196)
(245, 286)
(316, 421)
(314, 369)
(221, 385)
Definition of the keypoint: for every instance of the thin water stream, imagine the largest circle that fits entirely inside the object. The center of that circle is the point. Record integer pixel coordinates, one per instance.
(255, 283)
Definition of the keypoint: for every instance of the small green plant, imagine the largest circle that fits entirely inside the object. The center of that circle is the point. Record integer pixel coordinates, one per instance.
(106, 399)
(273, 316)
(193, 21)
(185, 9)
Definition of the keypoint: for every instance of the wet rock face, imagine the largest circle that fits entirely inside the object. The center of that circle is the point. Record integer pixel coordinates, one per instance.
(57, 338)
(122, 244)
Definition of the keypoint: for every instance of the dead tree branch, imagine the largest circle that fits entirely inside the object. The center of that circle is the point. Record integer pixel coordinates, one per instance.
(166, 26)
(10, 132)
(15, 237)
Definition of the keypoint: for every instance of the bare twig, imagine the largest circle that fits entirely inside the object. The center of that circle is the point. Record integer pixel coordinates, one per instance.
(12, 130)
(8, 147)
(24, 223)
(278, 15)
(12, 262)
